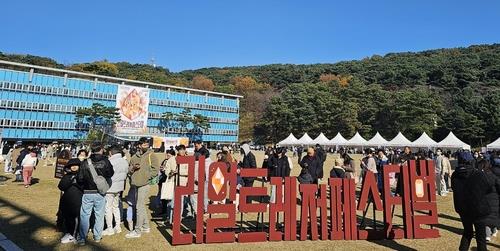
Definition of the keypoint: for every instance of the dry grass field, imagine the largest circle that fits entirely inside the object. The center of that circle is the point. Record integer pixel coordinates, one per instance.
(27, 217)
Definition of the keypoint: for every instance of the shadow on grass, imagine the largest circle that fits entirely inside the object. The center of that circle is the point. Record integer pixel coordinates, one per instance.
(24, 233)
(392, 244)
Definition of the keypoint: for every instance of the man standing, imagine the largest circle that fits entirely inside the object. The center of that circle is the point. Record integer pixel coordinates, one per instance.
(440, 184)
(247, 162)
(312, 164)
(470, 187)
(321, 154)
(113, 196)
(144, 166)
(96, 167)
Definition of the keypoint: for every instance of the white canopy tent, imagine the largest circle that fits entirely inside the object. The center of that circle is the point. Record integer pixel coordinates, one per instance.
(356, 140)
(305, 140)
(494, 145)
(451, 141)
(399, 140)
(289, 141)
(338, 140)
(322, 140)
(424, 141)
(377, 140)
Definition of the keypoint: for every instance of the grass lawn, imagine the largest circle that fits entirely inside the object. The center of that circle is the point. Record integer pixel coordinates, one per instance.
(27, 217)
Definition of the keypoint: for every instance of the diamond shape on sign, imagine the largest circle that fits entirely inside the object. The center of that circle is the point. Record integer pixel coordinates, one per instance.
(217, 180)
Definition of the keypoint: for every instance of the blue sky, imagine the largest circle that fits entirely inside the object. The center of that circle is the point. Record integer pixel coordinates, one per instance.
(183, 35)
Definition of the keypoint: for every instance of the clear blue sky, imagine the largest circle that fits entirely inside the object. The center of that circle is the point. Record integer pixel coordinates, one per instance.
(183, 34)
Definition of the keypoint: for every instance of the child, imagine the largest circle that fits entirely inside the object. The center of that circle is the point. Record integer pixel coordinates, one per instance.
(71, 200)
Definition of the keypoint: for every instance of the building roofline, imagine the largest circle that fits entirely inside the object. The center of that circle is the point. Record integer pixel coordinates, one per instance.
(124, 80)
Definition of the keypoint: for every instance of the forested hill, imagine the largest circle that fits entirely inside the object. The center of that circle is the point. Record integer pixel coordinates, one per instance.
(434, 91)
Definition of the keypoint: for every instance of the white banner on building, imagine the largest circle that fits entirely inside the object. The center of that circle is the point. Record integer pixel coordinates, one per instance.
(132, 103)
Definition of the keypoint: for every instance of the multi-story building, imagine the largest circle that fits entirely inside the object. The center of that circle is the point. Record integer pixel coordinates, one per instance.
(39, 103)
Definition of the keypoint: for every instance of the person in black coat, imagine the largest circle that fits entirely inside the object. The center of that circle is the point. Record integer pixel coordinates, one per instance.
(312, 165)
(470, 187)
(492, 221)
(248, 162)
(282, 168)
(71, 200)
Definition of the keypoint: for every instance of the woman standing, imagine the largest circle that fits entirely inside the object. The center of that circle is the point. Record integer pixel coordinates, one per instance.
(28, 164)
(71, 200)
(168, 171)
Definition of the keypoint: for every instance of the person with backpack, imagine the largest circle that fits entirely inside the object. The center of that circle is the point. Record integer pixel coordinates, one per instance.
(470, 188)
(144, 168)
(95, 179)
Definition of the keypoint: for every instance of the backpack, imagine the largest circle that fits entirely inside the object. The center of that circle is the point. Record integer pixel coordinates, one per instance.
(102, 183)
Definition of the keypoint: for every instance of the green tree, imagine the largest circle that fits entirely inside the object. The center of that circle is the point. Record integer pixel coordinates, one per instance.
(98, 119)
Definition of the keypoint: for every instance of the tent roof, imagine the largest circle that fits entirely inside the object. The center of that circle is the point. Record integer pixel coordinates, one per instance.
(321, 139)
(494, 145)
(377, 140)
(424, 141)
(290, 140)
(399, 140)
(356, 140)
(338, 140)
(305, 140)
(451, 141)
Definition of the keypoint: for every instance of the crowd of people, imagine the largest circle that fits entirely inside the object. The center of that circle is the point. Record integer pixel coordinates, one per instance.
(96, 178)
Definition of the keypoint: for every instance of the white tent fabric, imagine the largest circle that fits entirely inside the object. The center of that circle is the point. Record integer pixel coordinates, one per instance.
(377, 140)
(451, 141)
(356, 140)
(290, 140)
(494, 145)
(338, 140)
(305, 140)
(399, 140)
(322, 140)
(424, 141)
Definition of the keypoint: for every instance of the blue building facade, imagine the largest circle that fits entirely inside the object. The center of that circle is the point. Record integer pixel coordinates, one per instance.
(39, 103)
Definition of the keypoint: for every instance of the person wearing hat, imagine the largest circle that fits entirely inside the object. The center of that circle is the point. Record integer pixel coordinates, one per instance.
(71, 200)
(470, 187)
(144, 167)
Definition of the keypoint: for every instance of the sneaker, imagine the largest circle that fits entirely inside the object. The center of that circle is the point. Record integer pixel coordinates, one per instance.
(108, 231)
(488, 239)
(133, 234)
(117, 229)
(97, 241)
(146, 230)
(67, 238)
(80, 242)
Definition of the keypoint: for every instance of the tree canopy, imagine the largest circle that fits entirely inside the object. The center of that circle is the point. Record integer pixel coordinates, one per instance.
(433, 91)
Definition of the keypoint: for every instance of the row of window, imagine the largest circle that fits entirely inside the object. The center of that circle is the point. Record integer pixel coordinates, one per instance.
(164, 102)
(68, 125)
(21, 123)
(156, 115)
(157, 130)
(32, 106)
(105, 96)
(56, 91)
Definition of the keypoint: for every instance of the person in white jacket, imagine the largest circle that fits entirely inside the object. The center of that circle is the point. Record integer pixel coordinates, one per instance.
(113, 200)
(29, 164)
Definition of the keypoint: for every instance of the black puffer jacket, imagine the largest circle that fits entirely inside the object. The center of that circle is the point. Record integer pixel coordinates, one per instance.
(71, 200)
(103, 168)
(470, 187)
(313, 166)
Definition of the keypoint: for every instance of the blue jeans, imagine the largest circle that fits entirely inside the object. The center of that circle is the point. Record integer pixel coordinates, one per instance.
(91, 202)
